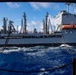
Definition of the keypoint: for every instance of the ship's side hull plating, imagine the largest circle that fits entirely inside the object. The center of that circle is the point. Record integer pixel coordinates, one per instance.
(68, 38)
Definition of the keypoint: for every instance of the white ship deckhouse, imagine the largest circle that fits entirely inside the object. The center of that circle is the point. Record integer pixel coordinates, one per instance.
(64, 18)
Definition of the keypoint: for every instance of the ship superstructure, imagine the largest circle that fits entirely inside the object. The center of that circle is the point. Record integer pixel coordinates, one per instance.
(65, 32)
(64, 18)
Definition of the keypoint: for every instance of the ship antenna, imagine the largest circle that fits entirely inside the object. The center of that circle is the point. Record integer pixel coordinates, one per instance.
(68, 4)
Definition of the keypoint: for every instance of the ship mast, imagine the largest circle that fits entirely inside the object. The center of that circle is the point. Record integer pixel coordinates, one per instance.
(24, 31)
(44, 28)
(5, 25)
(46, 23)
(75, 9)
(68, 4)
(21, 30)
(50, 25)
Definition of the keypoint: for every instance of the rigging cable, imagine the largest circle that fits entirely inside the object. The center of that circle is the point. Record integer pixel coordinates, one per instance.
(6, 42)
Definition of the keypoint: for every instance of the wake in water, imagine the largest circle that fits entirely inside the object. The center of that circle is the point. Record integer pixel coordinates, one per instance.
(42, 49)
(68, 48)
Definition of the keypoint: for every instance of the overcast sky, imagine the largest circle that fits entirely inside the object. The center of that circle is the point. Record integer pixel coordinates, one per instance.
(35, 12)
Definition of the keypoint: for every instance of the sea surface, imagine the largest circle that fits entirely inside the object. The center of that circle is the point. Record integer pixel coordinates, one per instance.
(33, 60)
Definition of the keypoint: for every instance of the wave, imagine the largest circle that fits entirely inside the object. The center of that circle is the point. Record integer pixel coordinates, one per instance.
(38, 57)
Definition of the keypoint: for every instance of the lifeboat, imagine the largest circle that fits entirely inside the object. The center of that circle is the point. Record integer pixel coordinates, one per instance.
(68, 26)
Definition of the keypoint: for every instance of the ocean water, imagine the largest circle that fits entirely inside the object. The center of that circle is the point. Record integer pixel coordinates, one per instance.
(35, 59)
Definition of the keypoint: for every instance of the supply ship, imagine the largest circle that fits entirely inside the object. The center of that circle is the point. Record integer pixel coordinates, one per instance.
(64, 33)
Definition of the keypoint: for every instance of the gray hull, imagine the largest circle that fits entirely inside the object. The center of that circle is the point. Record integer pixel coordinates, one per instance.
(68, 38)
